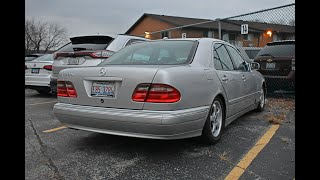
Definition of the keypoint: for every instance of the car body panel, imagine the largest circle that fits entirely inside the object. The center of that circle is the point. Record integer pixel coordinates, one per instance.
(198, 83)
(35, 74)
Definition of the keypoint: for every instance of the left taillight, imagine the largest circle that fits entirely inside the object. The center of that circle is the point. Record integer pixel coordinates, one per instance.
(48, 67)
(66, 89)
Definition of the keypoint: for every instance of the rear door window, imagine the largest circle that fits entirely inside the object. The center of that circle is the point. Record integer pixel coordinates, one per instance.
(222, 58)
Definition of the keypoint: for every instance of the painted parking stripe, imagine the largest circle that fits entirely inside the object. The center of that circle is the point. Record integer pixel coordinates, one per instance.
(42, 103)
(55, 129)
(254, 151)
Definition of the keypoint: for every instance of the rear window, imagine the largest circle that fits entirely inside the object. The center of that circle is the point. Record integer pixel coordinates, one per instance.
(154, 53)
(87, 43)
(252, 53)
(47, 57)
(277, 50)
(30, 58)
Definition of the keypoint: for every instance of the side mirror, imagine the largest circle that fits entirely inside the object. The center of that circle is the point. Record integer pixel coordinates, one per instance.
(255, 66)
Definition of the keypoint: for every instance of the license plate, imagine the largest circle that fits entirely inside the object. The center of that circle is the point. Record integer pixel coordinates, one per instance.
(73, 61)
(103, 89)
(35, 70)
(270, 65)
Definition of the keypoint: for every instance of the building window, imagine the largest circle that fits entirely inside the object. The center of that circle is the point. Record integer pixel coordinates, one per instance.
(248, 37)
(165, 34)
(232, 38)
(205, 34)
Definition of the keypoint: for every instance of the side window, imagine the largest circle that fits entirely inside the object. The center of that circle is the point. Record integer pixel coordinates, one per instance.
(216, 60)
(133, 41)
(223, 57)
(237, 59)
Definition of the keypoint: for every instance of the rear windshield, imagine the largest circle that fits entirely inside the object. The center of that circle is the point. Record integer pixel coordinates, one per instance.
(87, 43)
(252, 53)
(278, 50)
(154, 53)
(47, 57)
(30, 58)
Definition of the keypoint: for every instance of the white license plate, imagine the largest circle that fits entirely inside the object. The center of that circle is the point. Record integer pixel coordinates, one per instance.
(35, 70)
(103, 89)
(270, 65)
(73, 61)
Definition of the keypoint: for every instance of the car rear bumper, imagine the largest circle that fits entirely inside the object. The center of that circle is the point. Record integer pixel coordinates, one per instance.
(281, 82)
(135, 123)
(37, 81)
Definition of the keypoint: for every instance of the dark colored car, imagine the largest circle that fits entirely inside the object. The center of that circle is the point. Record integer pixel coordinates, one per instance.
(277, 65)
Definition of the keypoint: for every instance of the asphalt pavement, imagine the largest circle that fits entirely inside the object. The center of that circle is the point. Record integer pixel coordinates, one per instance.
(73, 154)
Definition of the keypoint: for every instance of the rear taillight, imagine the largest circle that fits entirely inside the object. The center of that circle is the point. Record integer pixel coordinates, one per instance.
(101, 54)
(156, 93)
(96, 54)
(293, 64)
(48, 67)
(66, 89)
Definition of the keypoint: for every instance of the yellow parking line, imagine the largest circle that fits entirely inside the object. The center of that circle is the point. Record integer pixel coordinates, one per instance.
(55, 129)
(249, 157)
(41, 103)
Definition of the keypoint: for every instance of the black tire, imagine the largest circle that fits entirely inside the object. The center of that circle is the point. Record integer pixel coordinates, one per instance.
(262, 101)
(44, 91)
(209, 136)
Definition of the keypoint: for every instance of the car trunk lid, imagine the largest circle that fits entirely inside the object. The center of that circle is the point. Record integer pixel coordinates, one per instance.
(119, 82)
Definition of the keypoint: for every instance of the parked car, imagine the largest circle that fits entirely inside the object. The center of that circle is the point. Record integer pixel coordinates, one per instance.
(31, 57)
(164, 89)
(277, 62)
(86, 51)
(252, 52)
(38, 72)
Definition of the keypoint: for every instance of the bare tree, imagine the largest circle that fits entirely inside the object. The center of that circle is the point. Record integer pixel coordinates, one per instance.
(43, 35)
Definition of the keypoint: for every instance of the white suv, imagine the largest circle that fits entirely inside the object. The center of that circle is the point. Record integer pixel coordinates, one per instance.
(85, 51)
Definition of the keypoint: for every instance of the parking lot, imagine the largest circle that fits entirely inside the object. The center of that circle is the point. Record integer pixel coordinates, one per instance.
(55, 152)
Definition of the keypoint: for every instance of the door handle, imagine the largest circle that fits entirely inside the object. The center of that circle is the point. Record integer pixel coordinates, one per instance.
(243, 77)
(224, 78)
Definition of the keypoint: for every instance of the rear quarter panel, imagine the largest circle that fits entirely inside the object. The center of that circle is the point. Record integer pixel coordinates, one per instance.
(191, 81)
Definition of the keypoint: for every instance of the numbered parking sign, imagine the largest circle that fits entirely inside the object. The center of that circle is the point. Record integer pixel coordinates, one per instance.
(184, 35)
(244, 29)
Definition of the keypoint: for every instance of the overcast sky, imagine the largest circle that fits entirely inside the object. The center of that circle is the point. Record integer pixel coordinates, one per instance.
(83, 17)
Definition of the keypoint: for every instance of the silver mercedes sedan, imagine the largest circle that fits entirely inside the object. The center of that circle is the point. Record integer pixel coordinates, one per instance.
(164, 89)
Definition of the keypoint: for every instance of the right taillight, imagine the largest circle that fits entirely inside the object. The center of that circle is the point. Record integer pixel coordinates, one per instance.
(156, 93)
(293, 64)
(66, 89)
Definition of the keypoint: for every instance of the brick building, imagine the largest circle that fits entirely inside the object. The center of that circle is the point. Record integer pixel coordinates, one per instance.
(148, 26)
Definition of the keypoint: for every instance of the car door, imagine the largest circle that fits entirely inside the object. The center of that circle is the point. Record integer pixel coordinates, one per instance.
(229, 78)
(248, 83)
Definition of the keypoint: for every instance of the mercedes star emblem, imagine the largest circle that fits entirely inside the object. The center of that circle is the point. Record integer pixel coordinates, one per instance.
(102, 72)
